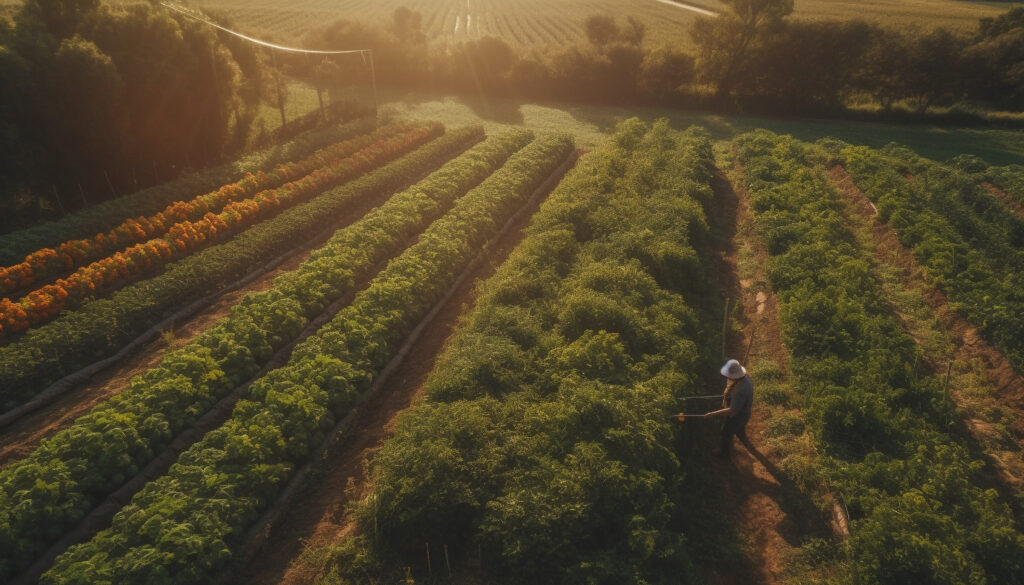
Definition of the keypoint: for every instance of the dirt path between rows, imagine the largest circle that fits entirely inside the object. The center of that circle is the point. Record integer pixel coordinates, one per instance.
(323, 517)
(1008, 201)
(23, 436)
(769, 510)
(1007, 387)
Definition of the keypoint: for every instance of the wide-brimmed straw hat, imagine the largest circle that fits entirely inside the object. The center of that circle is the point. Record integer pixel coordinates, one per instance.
(733, 370)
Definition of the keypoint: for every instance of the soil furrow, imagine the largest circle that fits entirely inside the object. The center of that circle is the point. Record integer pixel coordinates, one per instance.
(1003, 388)
(1008, 201)
(33, 422)
(339, 477)
(773, 514)
(100, 517)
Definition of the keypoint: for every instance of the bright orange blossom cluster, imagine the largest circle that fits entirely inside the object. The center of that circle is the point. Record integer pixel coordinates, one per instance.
(183, 238)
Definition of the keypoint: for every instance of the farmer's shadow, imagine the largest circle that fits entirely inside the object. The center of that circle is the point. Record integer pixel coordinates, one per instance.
(802, 518)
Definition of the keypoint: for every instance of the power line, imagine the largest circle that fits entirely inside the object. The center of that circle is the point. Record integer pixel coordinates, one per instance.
(363, 52)
(257, 41)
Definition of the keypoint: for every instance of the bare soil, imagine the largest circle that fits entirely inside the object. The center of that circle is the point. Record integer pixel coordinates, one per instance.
(773, 514)
(1007, 386)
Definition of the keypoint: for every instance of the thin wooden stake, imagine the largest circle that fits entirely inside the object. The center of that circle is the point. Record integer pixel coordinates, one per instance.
(57, 197)
(110, 184)
(447, 562)
(725, 324)
(82, 193)
(429, 570)
(750, 345)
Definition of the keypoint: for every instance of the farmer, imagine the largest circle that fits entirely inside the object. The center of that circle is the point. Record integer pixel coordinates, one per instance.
(737, 400)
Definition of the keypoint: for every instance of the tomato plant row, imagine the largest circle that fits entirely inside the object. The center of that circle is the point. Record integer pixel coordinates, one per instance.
(919, 511)
(48, 262)
(543, 438)
(93, 457)
(99, 328)
(181, 527)
(103, 216)
(975, 262)
(184, 238)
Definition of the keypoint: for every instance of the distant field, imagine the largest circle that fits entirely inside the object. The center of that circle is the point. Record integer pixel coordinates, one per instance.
(543, 22)
(540, 22)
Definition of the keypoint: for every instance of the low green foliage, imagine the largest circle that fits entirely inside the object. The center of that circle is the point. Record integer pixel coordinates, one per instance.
(100, 327)
(181, 528)
(913, 490)
(542, 439)
(968, 243)
(166, 399)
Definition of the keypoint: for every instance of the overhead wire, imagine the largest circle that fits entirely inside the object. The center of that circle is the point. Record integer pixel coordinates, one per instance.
(209, 22)
(362, 52)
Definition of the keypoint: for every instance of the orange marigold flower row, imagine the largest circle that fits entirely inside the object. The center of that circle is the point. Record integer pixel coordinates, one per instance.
(47, 262)
(183, 238)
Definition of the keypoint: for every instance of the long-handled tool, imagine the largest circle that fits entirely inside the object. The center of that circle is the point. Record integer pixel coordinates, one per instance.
(682, 416)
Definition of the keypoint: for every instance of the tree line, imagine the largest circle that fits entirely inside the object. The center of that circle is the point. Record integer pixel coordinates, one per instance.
(101, 100)
(754, 57)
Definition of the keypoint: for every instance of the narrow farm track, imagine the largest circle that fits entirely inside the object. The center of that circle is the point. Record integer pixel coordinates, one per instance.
(46, 415)
(1006, 385)
(321, 515)
(769, 510)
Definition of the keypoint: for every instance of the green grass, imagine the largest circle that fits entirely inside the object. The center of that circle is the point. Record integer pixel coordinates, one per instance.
(591, 123)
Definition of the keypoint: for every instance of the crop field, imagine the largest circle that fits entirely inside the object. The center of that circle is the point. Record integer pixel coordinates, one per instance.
(542, 22)
(548, 22)
(475, 334)
(882, 289)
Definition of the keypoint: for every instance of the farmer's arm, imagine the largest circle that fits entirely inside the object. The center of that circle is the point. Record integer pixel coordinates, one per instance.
(739, 401)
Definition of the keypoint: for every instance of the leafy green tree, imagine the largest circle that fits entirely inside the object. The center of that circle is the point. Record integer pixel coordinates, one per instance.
(664, 71)
(725, 43)
(61, 18)
(82, 91)
(601, 29)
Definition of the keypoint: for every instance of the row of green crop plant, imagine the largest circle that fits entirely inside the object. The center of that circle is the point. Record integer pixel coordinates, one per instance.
(47, 263)
(543, 440)
(185, 238)
(99, 328)
(182, 527)
(954, 190)
(102, 217)
(48, 492)
(886, 433)
(1009, 178)
(969, 257)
